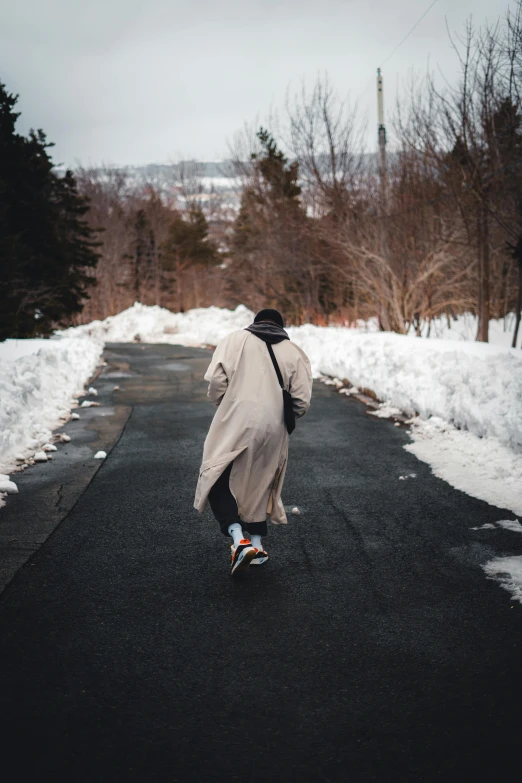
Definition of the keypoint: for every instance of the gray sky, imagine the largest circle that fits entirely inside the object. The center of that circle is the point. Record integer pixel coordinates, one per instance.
(141, 81)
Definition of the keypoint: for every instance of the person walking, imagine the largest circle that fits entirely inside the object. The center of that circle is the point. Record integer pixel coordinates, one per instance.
(260, 381)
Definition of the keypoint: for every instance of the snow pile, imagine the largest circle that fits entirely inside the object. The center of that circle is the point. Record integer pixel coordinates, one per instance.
(36, 391)
(474, 386)
(507, 571)
(202, 326)
(7, 486)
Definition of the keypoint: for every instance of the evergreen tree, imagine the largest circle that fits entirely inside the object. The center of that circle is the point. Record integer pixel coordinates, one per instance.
(187, 245)
(46, 246)
(274, 256)
(505, 130)
(279, 175)
(273, 195)
(144, 247)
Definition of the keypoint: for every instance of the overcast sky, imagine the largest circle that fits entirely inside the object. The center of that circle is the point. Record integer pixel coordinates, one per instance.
(141, 81)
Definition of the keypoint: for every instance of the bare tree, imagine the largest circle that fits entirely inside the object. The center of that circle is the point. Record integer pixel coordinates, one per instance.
(326, 138)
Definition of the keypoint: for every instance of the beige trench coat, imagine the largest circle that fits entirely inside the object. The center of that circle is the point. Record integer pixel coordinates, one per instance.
(248, 426)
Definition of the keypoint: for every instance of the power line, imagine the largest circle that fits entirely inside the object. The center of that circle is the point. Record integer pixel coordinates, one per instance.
(417, 23)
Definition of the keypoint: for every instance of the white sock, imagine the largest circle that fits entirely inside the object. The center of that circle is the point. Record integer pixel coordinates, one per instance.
(236, 531)
(256, 542)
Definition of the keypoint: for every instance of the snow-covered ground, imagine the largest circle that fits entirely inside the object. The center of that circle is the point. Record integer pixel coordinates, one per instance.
(475, 386)
(38, 379)
(464, 398)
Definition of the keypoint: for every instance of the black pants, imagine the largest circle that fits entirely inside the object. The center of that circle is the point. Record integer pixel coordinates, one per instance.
(224, 507)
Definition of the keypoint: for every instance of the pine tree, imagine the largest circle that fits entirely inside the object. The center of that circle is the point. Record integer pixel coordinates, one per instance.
(505, 135)
(188, 245)
(144, 247)
(273, 194)
(273, 166)
(269, 248)
(46, 246)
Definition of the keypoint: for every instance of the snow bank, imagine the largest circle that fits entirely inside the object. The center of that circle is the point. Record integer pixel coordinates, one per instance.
(206, 325)
(466, 396)
(474, 386)
(36, 390)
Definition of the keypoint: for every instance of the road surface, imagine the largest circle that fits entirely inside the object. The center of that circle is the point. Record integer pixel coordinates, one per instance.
(371, 647)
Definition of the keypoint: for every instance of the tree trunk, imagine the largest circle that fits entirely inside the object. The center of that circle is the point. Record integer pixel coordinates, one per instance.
(137, 271)
(483, 271)
(505, 292)
(156, 269)
(179, 284)
(519, 305)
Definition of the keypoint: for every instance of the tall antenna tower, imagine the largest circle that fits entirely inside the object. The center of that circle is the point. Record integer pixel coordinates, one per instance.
(381, 137)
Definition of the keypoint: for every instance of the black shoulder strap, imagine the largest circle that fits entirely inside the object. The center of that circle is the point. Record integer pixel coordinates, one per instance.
(276, 366)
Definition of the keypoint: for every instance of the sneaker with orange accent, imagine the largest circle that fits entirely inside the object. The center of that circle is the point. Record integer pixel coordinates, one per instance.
(242, 556)
(260, 557)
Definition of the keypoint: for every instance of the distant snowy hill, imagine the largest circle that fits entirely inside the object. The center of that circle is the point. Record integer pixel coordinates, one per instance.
(203, 179)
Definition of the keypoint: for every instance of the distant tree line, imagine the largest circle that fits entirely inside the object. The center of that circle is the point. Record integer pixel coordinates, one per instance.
(317, 229)
(326, 236)
(158, 244)
(74, 247)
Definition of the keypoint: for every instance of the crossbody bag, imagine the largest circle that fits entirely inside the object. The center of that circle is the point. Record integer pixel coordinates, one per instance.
(287, 397)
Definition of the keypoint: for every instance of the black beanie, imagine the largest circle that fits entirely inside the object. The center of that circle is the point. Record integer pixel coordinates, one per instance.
(270, 315)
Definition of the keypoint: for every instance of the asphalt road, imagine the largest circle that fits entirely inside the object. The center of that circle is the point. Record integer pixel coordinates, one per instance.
(371, 647)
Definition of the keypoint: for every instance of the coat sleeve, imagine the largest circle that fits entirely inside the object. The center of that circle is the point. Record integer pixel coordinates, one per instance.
(301, 384)
(216, 375)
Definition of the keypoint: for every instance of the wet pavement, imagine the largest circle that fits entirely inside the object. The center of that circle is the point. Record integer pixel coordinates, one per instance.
(371, 647)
